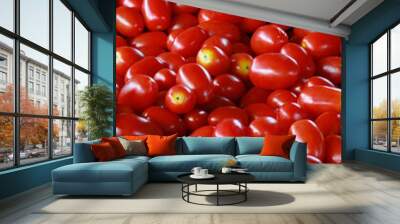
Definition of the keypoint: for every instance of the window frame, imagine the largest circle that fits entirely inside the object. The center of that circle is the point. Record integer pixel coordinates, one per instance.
(16, 114)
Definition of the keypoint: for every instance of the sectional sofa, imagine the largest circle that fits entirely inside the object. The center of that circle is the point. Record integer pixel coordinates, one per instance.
(125, 176)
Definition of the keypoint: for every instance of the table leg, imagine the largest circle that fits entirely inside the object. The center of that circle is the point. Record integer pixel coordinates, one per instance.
(217, 194)
(195, 188)
(245, 193)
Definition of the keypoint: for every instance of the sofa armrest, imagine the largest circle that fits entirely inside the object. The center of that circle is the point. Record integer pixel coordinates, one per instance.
(298, 155)
(83, 152)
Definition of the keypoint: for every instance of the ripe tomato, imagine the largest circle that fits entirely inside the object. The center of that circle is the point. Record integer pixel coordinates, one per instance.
(241, 48)
(188, 42)
(151, 51)
(322, 45)
(265, 125)
(171, 37)
(129, 22)
(154, 39)
(333, 149)
(307, 131)
(213, 59)
(254, 95)
(196, 78)
(301, 56)
(147, 66)
(319, 99)
(225, 29)
(230, 128)
(218, 101)
(250, 25)
(183, 21)
(229, 86)
(131, 124)
(256, 110)
(195, 119)
(298, 87)
(219, 41)
(180, 99)
(120, 41)
(205, 131)
(240, 65)
(172, 60)
(136, 4)
(268, 39)
(298, 34)
(207, 15)
(280, 97)
(165, 78)
(274, 71)
(125, 57)
(221, 113)
(169, 122)
(161, 99)
(139, 92)
(123, 109)
(288, 113)
(329, 123)
(331, 68)
(157, 14)
(318, 81)
(179, 8)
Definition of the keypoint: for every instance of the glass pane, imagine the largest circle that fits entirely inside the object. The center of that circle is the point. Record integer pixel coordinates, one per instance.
(62, 138)
(379, 135)
(395, 135)
(6, 142)
(62, 29)
(7, 14)
(81, 131)
(33, 139)
(379, 56)
(34, 80)
(395, 47)
(81, 81)
(35, 21)
(62, 89)
(379, 97)
(81, 45)
(6, 74)
(395, 94)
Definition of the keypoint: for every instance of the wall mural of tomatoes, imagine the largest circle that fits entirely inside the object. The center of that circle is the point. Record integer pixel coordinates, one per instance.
(198, 72)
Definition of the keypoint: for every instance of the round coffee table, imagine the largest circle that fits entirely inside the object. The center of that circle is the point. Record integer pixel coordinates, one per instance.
(238, 179)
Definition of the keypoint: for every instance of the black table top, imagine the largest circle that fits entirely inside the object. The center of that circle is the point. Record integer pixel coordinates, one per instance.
(220, 178)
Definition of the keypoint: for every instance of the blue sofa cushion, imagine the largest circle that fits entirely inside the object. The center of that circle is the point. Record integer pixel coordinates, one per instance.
(257, 163)
(83, 153)
(249, 145)
(185, 163)
(205, 145)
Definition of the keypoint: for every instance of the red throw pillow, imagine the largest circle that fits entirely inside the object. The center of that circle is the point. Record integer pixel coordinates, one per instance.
(161, 145)
(103, 152)
(116, 145)
(277, 145)
(134, 137)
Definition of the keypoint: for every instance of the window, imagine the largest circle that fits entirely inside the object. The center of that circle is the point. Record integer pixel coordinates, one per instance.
(47, 77)
(385, 94)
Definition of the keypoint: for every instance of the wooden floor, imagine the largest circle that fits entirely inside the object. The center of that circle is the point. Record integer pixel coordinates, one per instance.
(377, 188)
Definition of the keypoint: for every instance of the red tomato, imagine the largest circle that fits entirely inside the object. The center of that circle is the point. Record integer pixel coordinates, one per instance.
(250, 25)
(268, 39)
(240, 65)
(161, 99)
(171, 37)
(280, 97)
(195, 119)
(333, 149)
(229, 86)
(307, 131)
(301, 56)
(169, 122)
(154, 39)
(172, 60)
(265, 125)
(329, 123)
(151, 51)
(157, 14)
(139, 92)
(298, 34)
(165, 78)
(230, 128)
(188, 42)
(254, 95)
(136, 4)
(283, 27)
(197, 78)
(205, 131)
(256, 110)
(180, 99)
(179, 8)
(298, 87)
(225, 29)
(221, 113)
(123, 109)
(129, 22)
(213, 59)
(125, 57)
(318, 81)
(319, 99)
(219, 41)
(274, 71)
(241, 48)
(207, 15)
(146, 66)
(120, 41)
(218, 101)
(322, 45)
(331, 68)
(131, 124)
(288, 113)
(183, 21)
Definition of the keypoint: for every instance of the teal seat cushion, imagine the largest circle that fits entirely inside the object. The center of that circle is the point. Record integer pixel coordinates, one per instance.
(249, 145)
(185, 163)
(205, 145)
(257, 163)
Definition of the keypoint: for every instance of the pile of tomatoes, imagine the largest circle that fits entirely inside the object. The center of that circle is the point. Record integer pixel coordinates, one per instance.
(197, 72)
